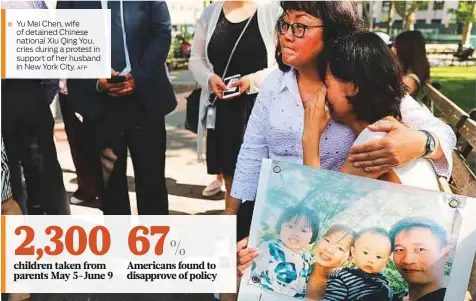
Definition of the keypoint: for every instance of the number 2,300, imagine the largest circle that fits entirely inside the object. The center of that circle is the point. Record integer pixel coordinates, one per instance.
(56, 234)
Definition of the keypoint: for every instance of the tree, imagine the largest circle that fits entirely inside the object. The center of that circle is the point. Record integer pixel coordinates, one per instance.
(391, 10)
(465, 14)
(367, 12)
(406, 10)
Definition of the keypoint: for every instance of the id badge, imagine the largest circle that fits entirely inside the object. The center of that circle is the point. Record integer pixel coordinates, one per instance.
(211, 117)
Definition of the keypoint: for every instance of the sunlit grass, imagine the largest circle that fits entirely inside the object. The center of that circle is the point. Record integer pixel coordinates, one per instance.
(458, 84)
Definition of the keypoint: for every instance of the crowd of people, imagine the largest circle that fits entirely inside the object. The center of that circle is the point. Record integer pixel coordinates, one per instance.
(314, 87)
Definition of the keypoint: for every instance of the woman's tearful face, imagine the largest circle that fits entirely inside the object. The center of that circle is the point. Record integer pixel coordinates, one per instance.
(300, 52)
(337, 97)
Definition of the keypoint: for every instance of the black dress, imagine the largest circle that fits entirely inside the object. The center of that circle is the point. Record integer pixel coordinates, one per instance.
(223, 143)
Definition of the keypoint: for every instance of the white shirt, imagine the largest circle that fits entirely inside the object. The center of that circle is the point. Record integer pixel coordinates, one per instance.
(128, 68)
(416, 173)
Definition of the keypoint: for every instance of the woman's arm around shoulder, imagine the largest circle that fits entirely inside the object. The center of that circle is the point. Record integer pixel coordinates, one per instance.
(419, 117)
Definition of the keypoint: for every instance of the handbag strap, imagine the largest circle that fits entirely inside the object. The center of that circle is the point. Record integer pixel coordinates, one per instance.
(233, 51)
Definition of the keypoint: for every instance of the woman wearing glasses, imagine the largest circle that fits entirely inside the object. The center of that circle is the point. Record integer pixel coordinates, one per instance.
(275, 128)
(217, 32)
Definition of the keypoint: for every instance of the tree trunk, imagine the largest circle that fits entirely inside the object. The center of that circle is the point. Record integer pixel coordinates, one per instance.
(390, 17)
(410, 22)
(370, 16)
(466, 36)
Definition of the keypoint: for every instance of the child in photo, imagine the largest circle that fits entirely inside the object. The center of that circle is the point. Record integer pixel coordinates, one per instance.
(331, 252)
(284, 264)
(370, 254)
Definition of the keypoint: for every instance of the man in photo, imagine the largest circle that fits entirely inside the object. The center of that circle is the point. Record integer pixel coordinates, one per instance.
(420, 252)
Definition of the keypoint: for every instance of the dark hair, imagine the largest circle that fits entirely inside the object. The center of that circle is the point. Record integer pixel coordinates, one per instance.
(419, 222)
(338, 17)
(374, 230)
(291, 213)
(364, 60)
(411, 53)
(341, 228)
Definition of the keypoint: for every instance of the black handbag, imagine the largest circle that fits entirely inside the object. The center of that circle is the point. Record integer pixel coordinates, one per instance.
(193, 108)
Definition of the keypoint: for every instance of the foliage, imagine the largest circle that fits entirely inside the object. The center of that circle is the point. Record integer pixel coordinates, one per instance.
(423, 5)
(397, 284)
(182, 35)
(406, 8)
(448, 267)
(367, 12)
(465, 13)
(268, 233)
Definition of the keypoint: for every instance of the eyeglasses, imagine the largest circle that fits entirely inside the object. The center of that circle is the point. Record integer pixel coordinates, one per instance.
(298, 30)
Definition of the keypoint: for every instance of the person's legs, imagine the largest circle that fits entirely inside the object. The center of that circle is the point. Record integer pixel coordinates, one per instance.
(229, 208)
(111, 133)
(19, 105)
(147, 143)
(43, 174)
(80, 141)
(243, 219)
(230, 130)
(114, 194)
(13, 148)
(87, 166)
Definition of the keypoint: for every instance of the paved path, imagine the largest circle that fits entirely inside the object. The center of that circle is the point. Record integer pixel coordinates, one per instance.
(185, 177)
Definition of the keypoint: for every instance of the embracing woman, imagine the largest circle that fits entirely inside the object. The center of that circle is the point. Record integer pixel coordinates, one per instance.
(356, 101)
(289, 121)
(364, 85)
(276, 126)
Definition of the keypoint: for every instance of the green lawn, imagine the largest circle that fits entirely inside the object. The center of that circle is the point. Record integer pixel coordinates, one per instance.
(458, 84)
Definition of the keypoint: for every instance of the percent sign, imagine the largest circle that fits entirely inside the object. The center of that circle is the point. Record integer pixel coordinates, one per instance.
(176, 245)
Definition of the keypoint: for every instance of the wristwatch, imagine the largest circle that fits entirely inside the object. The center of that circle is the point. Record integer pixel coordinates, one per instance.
(430, 143)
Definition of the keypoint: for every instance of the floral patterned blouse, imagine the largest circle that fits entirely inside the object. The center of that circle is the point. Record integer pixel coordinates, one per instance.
(281, 270)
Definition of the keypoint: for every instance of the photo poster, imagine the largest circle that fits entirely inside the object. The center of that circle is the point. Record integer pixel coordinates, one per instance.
(313, 222)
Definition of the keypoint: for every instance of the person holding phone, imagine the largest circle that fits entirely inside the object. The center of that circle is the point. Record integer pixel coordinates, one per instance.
(126, 111)
(227, 99)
